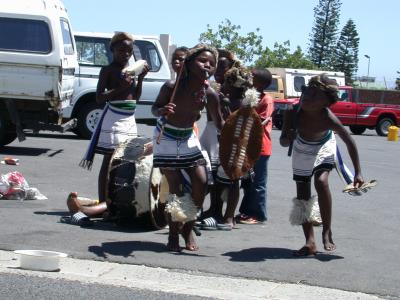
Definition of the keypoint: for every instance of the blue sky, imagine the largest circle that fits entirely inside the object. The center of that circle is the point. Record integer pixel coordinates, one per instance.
(376, 22)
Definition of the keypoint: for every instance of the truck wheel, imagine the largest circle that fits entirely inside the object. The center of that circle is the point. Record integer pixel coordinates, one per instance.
(88, 116)
(357, 129)
(383, 125)
(7, 132)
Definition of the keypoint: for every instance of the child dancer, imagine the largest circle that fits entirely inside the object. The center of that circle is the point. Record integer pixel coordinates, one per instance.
(177, 147)
(314, 149)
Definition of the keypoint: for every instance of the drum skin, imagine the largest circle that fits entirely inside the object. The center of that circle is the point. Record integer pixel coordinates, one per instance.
(132, 186)
(240, 142)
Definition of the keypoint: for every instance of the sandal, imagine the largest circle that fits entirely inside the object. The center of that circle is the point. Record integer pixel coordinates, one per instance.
(250, 221)
(78, 218)
(208, 224)
(225, 227)
(365, 187)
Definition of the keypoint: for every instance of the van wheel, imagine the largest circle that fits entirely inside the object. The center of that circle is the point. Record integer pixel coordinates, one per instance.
(7, 132)
(88, 116)
(357, 129)
(382, 128)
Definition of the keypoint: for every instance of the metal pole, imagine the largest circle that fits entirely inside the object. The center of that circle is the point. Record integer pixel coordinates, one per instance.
(369, 59)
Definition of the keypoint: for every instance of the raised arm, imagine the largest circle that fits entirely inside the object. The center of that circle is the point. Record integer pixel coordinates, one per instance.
(139, 86)
(102, 94)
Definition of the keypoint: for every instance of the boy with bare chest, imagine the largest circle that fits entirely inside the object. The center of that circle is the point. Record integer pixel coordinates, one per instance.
(314, 149)
(176, 146)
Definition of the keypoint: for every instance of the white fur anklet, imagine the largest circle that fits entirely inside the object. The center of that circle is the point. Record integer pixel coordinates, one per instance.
(298, 213)
(182, 209)
(305, 211)
(313, 214)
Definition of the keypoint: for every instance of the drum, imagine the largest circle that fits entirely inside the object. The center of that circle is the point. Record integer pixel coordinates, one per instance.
(134, 188)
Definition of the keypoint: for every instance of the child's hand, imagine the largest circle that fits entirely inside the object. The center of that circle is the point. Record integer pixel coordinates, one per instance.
(358, 180)
(167, 109)
(146, 69)
(126, 81)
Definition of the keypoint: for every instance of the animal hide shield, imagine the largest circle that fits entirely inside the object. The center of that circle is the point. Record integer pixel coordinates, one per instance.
(240, 142)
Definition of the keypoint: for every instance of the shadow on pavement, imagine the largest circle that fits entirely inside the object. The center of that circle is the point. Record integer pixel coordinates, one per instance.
(55, 136)
(262, 254)
(52, 213)
(27, 151)
(126, 249)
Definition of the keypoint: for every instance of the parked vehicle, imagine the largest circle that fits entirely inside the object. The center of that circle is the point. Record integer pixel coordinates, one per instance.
(93, 53)
(359, 109)
(37, 67)
(287, 82)
(373, 109)
(286, 87)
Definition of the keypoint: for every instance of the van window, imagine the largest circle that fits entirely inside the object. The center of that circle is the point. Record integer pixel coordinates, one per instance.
(67, 37)
(147, 51)
(25, 35)
(274, 85)
(93, 52)
(299, 82)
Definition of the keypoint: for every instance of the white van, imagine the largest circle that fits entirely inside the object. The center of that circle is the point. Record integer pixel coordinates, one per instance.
(37, 66)
(93, 53)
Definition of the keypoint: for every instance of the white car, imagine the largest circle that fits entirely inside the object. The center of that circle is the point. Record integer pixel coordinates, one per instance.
(93, 53)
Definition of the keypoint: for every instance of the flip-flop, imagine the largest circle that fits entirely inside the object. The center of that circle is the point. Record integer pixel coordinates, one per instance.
(208, 224)
(365, 187)
(250, 221)
(81, 219)
(225, 227)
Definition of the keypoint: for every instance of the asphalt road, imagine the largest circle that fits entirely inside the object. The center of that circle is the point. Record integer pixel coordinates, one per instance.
(366, 229)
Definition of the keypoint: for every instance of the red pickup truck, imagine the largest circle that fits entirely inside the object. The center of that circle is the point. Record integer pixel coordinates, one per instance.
(357, 108)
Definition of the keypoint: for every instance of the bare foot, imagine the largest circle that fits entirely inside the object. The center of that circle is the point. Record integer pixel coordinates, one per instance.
(72, 203)
(173, 243)
(306, 250)
(329, 245)
(187, 234)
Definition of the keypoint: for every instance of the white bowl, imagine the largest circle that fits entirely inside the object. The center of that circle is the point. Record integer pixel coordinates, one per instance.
(40, 260)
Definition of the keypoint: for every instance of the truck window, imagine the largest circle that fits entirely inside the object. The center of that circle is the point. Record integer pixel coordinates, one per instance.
(273, 87)
(93, 52)
(147, 51)
(343, 95)
(299, 81)
(24, 35)
(67, 37)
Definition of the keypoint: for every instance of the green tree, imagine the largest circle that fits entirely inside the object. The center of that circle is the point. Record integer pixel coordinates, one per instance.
(246, 47)
(281, 57)
(324, 33)
(346, 55)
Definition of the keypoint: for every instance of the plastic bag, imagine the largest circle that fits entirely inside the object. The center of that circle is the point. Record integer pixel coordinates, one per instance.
(13, 186)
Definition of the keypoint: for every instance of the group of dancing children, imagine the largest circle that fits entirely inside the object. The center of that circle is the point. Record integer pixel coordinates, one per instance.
(180, 152)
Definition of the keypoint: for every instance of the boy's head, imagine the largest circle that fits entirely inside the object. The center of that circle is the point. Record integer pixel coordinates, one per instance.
(201, 59)
(226, 60)
(261, 79)
(178, 57)
(237, 80)
(121, 45)
(321, 91)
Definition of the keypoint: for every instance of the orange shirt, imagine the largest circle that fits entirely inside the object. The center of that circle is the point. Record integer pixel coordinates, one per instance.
(265, 109)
